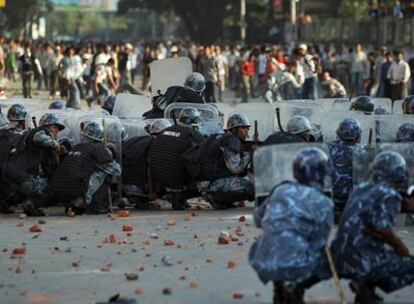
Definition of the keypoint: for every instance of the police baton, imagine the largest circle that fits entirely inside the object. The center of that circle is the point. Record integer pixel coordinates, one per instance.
(279, 122)
(335, 275)
(111, 208)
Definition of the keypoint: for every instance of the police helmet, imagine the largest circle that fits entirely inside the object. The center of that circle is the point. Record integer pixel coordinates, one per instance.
(408, 105)
(310, 166)
(17, 112)
(237, 120)
(197, 82)
(381, 111)
(57, 105)
(93, 130)
(298, 125)
(364, 104)
(109, 103)
(389, 166)
(405, 133)
(189, 117)
(158, 125)
(50, 119)
(349, 129)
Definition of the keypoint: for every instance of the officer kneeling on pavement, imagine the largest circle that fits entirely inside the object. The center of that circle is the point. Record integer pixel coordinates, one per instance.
(135, 154)
(221, 161)
(17, 115)
(82, 180)
(165, 157)
(32, 161)
(366, 249)
(296, 219)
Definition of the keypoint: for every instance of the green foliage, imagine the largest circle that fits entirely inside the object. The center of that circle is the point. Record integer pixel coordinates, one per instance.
(207, 20)
(20, 12)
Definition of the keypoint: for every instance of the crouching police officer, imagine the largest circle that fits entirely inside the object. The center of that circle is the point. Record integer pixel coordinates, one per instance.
(165, 162)
(221, 161)
(135, 153)
(82, 180)
(366, 248)
(32, 161)
(296, 219)
(299, 130)
(341, 152)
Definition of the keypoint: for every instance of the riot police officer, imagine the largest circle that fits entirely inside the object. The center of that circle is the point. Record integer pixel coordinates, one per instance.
(135, 153)
(221, 161)
(405, 133)
(408, 105)
(366, 248)
(191, 92)
(165, 162)
(296, 219)
(32, 161)
(17, 115)
(109, 103)
(363, 104)
(298, 131)
(197, 82)
(81, 181)
(341, 152)
(57, 105)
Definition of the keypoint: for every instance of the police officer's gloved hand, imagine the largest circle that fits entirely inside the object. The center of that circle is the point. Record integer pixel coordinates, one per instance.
(111, 150)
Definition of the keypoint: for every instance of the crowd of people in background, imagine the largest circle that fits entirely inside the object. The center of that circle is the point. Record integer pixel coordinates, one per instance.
(90, 71)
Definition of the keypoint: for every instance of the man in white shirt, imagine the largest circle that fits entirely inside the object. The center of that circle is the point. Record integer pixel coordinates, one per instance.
(399, 74)
(307, 61)
(358, 61)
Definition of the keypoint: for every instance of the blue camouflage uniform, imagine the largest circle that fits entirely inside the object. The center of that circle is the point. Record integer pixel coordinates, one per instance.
(362, 257)
(97, 178)
(236, 164)
(296, 220)
(341, 153)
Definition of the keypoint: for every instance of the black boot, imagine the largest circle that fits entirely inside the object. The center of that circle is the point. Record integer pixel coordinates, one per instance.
(30, 208)
(178, 202)
(279, 296)
(365, 293)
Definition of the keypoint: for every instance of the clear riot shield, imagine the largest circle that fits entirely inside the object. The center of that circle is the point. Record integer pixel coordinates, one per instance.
(208, 112)
(387, 126)
(30, 104)
(312, 110)
(331, 121)
(326, 103)
(397, 107)
(134, 127)
(67, 135)
(385, 103)
(362, 162)
(169, 72)
(225, 109)
(131, 106)
(260, 111)
(273, 165)
(343, 104)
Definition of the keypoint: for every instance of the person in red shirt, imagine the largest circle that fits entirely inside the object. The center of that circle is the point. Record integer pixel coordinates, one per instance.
(247, 69)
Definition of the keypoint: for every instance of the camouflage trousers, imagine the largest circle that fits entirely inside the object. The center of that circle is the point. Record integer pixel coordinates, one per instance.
(398, 272)
(96, 181)
(227, 190)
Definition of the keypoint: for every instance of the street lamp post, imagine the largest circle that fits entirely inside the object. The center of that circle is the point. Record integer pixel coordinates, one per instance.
(293, 18)
(243, 21)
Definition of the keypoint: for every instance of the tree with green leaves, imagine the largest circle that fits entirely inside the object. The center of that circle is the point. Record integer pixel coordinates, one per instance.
(207, 20)
(21, 13)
